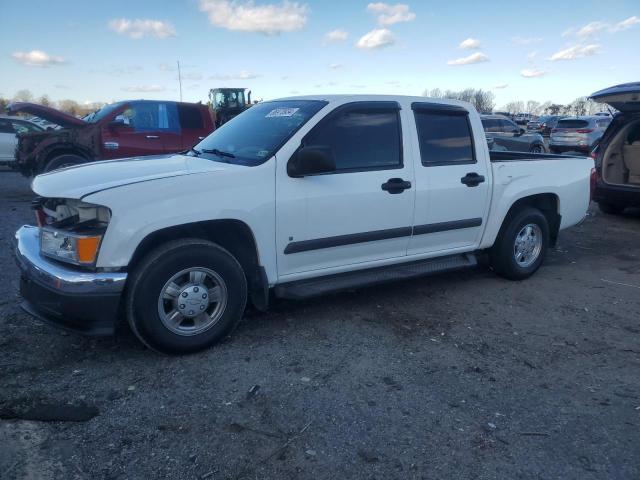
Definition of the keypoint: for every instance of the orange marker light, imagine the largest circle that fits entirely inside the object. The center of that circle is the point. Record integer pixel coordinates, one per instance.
(87, 248)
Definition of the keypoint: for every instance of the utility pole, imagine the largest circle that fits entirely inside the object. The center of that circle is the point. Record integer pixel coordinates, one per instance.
(179, 80)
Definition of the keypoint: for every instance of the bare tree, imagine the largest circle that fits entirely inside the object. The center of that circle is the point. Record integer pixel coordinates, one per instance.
(23, 96)
(514, 107)
(45, 101)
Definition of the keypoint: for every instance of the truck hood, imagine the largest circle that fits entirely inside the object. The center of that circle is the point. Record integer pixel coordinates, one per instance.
(82, 180)
(46, 113)
(624, 97)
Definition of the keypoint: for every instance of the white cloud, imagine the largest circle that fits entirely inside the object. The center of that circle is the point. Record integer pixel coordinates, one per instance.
(469, 43)
(144, 88)
(477, 57)
(243, 75)
(576, 51)
(336, 36)
(378, 38)
(390, 14)
(140, 28)
(37, 58)
(525, 40)
(626, 24)
(335, 66)
(592, 28)
(533, 72)
(246, 16)
(500, 86)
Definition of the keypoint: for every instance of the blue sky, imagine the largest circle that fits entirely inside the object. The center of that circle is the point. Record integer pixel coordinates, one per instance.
(104, 51)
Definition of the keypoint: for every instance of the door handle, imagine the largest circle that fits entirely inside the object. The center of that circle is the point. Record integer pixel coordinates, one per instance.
(472, 179)
(395, 185)
(153, 137)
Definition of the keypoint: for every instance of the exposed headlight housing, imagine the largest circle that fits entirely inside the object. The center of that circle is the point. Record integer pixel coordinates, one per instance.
(72, 247)
(71, 230)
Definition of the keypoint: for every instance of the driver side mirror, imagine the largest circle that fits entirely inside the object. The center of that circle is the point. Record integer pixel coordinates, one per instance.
(118, 122)
(311, 161)
(519, 131)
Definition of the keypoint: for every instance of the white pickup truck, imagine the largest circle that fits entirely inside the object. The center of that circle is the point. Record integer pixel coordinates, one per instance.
(292, 198)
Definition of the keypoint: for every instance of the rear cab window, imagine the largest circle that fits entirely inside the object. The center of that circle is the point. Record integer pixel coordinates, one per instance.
(444, 135)
(190, 117)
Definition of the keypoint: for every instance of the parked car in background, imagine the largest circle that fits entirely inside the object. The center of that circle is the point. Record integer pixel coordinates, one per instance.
(132, 128)
(506, 135)
(617, 157)
(293, 198)
(10, 128)
(523, 118)
(543, 125)
(577, 134)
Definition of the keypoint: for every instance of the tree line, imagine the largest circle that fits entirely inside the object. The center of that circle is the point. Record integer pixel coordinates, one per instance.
(484, 102)
(69, 106)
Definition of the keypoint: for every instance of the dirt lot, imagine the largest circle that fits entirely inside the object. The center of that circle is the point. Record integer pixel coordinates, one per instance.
(464, 375)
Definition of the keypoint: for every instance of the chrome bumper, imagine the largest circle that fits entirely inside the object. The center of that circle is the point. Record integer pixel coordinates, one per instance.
(57, 277)
(86, 302)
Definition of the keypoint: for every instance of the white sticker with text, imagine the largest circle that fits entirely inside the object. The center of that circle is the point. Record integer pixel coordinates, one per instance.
(282, 112)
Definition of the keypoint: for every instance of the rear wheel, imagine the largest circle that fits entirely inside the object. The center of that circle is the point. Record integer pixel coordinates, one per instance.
(610, 208)
(521, 244)
(62, 161)
(186, 296)
(537, 148)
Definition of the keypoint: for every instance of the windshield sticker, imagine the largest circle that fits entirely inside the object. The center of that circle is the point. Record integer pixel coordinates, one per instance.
(262, 153)
(282, 112)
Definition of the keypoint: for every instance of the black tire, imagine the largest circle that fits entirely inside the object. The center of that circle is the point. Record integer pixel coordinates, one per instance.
(610, 208)
(554, 151)
(150, 276)
(501, 255)
(537, 148)
(62, 161)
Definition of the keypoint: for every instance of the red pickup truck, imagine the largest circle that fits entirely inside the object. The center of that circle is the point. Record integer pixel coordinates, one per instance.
(118, 130)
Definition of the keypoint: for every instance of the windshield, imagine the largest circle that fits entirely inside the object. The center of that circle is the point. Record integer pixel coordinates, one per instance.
(255, 135)
(103, 112)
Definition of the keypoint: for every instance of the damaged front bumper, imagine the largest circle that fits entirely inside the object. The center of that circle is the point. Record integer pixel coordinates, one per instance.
(83, 301)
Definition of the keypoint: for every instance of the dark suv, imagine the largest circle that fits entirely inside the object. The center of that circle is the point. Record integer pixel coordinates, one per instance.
(122, 129)
(617, 156)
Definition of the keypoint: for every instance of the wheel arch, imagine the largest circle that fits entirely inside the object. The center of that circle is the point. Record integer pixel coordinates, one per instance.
(233, 235)
(60, 149)
(547, 203)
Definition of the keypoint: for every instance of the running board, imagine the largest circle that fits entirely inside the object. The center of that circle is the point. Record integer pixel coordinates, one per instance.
(314, 287)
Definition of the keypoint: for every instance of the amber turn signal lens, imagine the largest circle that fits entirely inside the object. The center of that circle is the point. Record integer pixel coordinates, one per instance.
(87, 249)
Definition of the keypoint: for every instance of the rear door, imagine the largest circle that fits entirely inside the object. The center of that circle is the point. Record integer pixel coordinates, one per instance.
(452, 187)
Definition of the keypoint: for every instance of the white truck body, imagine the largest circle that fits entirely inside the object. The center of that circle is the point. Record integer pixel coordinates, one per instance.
(327, 224)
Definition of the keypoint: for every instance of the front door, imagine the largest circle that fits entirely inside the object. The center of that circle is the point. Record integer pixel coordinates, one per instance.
(452, 184)
(357, 214)
(145, 128)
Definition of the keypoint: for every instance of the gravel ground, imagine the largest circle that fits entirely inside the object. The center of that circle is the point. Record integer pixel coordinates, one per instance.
(463, 375)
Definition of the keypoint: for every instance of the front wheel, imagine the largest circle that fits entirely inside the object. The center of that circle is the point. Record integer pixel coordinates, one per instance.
(62, 161)
(521, 244)
(186, 296)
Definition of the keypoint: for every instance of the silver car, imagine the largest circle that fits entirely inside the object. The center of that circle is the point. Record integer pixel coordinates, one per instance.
(10, 127)
(578, 134)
